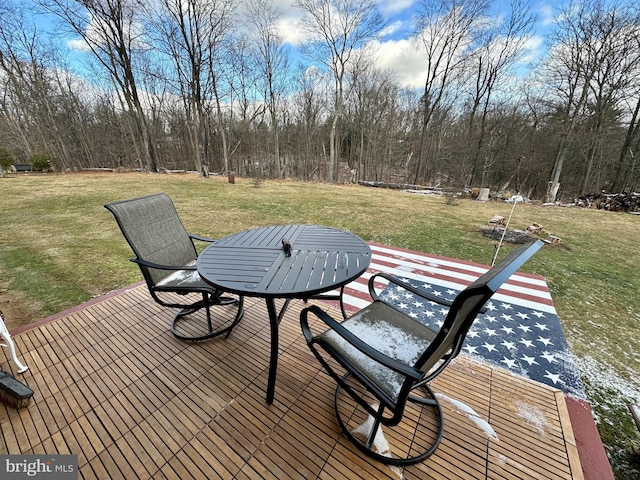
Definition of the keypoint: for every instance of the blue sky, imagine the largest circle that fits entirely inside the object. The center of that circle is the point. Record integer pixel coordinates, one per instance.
(395, 50)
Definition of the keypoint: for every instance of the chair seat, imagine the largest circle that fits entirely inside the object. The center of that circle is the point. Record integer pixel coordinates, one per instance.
(388, 331)
(183, 279)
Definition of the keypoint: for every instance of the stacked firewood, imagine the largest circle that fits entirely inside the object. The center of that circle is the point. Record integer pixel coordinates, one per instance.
(615, 202)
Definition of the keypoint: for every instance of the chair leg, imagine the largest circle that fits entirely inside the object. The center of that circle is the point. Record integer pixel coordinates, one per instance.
(211, 331)
(12, 350)
(414, 439)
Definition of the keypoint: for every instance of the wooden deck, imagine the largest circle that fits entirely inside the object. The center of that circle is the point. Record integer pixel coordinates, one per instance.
(113, 386)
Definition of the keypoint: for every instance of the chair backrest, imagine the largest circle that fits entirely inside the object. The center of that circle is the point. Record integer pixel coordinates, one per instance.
(467, 305)
(155, 233)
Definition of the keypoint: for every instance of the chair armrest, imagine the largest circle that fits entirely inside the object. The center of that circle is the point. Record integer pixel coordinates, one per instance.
(354, 341)
(202, 239)
(417, 291)
(158, 266)
(406, 286)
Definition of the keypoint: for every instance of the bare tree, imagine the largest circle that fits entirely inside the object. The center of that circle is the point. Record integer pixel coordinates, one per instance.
(615, 78)
(336, 28)
(111, 31)
(448, 31)
(16, 79)
(626, 166)
(501, 47)
(273, 65)
(32, 96)
(592, 58)
(374, 122)
(308, 112)
(245, 105)
(191, 33)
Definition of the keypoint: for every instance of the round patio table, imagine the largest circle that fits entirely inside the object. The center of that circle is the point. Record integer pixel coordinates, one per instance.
(284, 261)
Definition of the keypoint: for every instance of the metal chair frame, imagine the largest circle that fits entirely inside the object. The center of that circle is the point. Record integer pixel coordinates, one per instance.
(153, 229)
(10, 344)
(430, 351)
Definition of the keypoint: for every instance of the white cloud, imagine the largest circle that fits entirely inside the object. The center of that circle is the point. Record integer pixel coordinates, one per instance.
(405, 58)
(97, 30)
(285, 7)
(546, 15)
(533, 49)
(398, 12)
(290, 31)
(394, 49)
(392, 28)
(78, 44)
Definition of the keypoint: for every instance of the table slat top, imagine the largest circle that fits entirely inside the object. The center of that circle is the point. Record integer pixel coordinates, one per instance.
(254, 262)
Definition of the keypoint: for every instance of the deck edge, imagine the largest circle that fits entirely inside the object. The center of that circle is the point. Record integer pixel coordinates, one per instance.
(593, 457)
(74, 309)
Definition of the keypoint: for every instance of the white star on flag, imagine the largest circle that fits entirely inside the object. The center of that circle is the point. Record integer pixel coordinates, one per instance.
(509, 362)
(554, 377)
(489, 346)
(548, 357)
(504, 334)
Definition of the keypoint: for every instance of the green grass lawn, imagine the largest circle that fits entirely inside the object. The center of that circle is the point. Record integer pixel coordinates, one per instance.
(59, 247)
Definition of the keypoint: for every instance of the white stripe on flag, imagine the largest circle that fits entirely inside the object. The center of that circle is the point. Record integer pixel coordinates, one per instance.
(529, 291)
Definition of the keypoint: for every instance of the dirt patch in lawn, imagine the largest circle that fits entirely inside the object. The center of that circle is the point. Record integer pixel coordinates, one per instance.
(16, 311)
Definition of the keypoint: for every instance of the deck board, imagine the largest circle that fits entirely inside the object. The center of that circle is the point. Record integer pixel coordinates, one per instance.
(115, 387)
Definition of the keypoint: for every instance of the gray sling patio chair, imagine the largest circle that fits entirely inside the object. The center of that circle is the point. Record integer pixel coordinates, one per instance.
(166, 254)
(384, 361)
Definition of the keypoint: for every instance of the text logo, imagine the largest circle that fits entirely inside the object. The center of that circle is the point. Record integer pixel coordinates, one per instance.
(50, 467)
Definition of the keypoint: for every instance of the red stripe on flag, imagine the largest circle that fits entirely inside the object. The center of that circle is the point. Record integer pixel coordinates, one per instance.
(522, 288)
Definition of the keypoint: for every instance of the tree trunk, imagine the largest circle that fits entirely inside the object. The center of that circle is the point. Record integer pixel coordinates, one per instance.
(554, 183)
(221, 129)
(619, 180)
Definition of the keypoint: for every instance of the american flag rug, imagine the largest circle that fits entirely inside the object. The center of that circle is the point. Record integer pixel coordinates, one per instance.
(519, 330)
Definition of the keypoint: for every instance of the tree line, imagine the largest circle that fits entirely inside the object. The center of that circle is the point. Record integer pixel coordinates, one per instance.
(211, 86)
